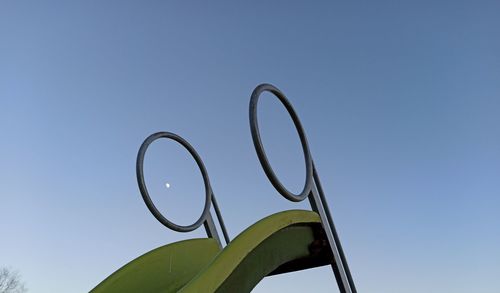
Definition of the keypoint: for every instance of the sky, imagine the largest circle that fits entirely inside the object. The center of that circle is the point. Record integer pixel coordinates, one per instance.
(400, 101)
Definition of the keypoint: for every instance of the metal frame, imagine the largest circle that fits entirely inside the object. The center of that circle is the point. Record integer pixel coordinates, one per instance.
(206, 217)
(312, 187)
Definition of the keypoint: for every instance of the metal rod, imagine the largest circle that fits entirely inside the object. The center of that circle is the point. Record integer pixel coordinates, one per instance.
(332, 228)
(337, 266)
(211, 229)
(219, 218)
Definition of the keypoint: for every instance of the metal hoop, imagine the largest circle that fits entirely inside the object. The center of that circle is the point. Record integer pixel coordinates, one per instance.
(144, 191)
(254, 127)
(312, 186)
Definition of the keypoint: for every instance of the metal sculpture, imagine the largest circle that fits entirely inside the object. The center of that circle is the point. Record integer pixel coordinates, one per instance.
(312, 190)
(312, 187)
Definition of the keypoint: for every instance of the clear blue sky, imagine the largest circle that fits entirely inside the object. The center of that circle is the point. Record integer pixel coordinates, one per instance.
(400, 101)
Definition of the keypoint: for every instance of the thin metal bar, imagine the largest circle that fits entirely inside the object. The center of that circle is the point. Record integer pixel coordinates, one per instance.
(219, 218)
(211, 229)
(337, 266)
(335, 269)
(332, 228)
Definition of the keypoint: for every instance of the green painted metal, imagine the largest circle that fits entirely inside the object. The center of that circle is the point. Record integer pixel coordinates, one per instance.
(276, 244)
(257, 252)
(164, 269)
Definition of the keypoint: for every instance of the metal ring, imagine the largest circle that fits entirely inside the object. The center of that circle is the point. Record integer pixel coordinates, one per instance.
(254, 127)
(144, 191)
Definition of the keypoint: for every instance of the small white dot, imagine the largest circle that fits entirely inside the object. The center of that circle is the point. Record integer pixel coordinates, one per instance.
(167, 185)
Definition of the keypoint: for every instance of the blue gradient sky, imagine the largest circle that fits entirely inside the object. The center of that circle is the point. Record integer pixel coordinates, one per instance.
(400, 101)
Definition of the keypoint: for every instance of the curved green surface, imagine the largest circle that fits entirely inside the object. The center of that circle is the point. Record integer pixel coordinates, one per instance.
(258, 251)
(164, 269)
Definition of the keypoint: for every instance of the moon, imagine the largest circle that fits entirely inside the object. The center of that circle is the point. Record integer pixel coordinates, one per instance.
(167, 185)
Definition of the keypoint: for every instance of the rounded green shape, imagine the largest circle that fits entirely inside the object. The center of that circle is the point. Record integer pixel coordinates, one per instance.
(261, 250)
(164, 269)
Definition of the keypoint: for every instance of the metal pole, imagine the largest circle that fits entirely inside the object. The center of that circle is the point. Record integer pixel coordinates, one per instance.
(332, 229)
(219, 218)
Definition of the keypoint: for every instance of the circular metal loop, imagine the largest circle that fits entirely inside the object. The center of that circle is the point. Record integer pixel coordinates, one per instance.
(144, 191)
(254, 127)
